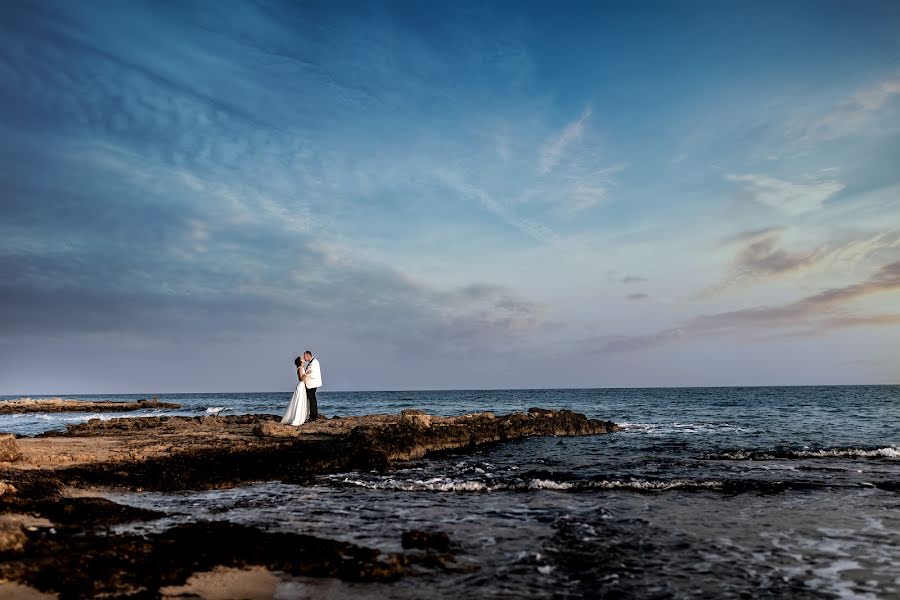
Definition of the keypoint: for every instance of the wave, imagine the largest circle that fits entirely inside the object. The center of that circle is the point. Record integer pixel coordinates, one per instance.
(677, 427)
(642, 486)
(462, 485)
(891, 452)
(74, 417)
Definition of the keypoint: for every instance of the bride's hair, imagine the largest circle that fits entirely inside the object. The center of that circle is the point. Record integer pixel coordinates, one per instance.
(298, 361)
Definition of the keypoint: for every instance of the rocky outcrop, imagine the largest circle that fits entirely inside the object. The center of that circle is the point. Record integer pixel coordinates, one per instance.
(59, 405)
(56, 539)
(174, 453)
(413, 436)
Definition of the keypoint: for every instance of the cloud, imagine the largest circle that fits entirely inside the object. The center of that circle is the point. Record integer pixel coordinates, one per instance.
(812, 315)
(760, 255)
(637, 296)
(553, 149)
(534, 229)
(351, 298)
(633, 279)
(789, 198)
(857, 111)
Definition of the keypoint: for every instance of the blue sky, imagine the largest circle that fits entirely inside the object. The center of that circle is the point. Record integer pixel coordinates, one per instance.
(448, 195)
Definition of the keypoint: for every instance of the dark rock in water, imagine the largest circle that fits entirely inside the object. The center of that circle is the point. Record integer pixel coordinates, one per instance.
(426, 540)
(89, 566)
(541, 411)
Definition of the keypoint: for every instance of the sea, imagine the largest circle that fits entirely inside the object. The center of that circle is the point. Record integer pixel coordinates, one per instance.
(739, 492)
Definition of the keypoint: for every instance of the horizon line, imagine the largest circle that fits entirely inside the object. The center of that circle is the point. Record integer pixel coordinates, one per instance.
(498, 389)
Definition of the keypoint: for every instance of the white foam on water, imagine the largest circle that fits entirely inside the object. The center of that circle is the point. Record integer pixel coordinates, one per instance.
(677, 428)
(440, 484)
(433, 485)
(544, 484)
(625, 426)
(886, 452)
(75, 418)
(640, 484)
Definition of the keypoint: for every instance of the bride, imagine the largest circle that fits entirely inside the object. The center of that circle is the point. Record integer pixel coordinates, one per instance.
(298, 409)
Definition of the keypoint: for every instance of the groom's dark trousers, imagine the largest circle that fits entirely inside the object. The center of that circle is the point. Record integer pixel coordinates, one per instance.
(313, 407)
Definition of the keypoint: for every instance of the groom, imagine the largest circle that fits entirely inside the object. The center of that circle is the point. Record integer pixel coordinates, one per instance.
(313, 382)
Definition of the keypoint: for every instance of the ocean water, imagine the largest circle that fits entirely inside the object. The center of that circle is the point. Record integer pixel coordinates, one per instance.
(705, 493)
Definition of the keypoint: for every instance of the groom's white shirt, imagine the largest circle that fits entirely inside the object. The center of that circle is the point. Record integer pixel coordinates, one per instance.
(313, 374)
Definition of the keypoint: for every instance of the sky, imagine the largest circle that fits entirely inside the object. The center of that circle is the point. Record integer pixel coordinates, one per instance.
(448, 195)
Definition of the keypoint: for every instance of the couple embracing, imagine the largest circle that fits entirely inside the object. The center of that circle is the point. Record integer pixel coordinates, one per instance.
(303, 405)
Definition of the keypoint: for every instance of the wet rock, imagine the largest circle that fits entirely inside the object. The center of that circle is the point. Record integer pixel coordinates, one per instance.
(89, 512)
(118, 565)
(426, 540)
(24, 488)
(543, 412)
(12, 538)
(9, 448)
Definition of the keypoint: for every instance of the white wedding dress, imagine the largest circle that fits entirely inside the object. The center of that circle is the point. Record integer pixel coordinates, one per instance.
(298, 410)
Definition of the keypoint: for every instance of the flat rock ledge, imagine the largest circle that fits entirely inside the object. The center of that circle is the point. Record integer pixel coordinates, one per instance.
(175, 453)
(61, 405)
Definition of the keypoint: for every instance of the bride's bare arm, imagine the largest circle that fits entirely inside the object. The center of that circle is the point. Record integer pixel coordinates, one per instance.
(301, 375)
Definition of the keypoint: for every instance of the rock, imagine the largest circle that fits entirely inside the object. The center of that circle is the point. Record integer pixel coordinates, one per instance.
(57, 405)
(416, 419)
(9, 448)
(175, 452)
(270, 429)
(7, 489)
(426, 540)
(412, 411)
(541, 411)
(122, 565)
(12, 538)
(73, 551)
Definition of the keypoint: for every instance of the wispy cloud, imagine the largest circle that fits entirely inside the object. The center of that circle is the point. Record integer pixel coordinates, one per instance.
(857, 111)
(532, 228)
(761, 255)
(553, 149)
(790, 198)
(812, 315)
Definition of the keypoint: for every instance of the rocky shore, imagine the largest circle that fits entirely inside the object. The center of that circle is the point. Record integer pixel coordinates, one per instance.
(54, 529)
(60, 405)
